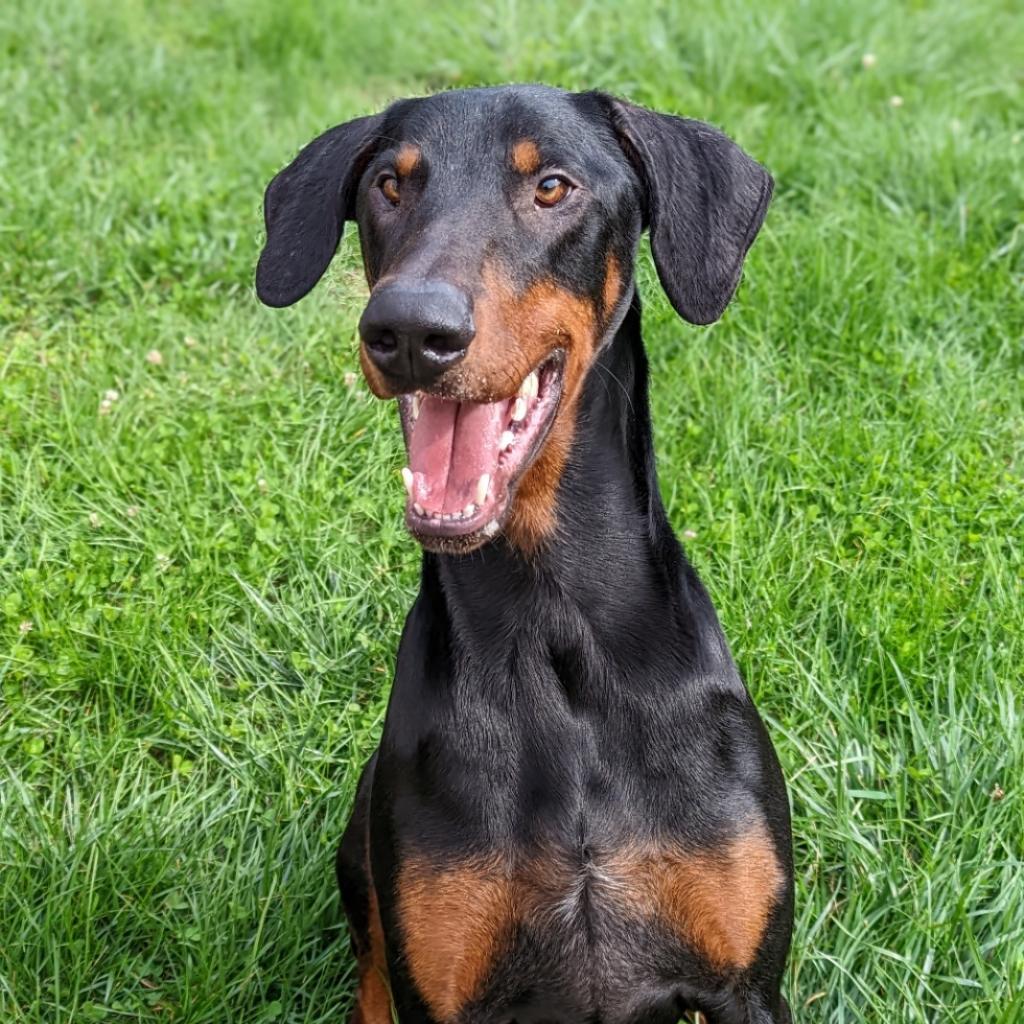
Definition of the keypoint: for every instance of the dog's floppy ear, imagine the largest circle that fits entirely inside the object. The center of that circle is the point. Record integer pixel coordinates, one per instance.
(705, 200)
(305, 209)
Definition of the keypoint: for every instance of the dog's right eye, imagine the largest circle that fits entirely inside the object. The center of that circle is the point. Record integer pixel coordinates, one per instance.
(389, 186)
(551, 191)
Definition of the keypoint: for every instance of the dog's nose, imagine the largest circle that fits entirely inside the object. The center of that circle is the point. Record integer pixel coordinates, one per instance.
(415, 330)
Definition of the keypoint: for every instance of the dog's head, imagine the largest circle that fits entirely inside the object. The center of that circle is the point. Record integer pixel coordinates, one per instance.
(499, 229)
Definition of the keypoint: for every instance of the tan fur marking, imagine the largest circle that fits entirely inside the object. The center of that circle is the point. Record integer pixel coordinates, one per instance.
(453, 924)
(457, 922)
(526, 157)
(373, 993)
(514, 334)
(612, 285)
(717, 901)
(374, 378)
(407, 159)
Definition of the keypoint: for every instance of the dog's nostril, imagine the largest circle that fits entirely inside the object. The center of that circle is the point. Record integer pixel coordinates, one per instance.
(385, 343)
(444, 344)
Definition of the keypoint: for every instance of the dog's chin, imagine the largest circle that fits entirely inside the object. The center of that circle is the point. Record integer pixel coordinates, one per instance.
(466, 458)
(463, 544)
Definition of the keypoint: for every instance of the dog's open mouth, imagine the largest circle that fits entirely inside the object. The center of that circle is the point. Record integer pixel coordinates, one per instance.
(465, 458)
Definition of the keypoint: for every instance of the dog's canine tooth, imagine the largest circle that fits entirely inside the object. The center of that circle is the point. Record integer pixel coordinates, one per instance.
(418, 508)
(415, 406)
(519, 410)
(407, 479)
(481, 488)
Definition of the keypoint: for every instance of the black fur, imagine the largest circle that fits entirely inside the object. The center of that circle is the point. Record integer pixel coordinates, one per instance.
(582, 697)
(305, 208)
(706, 202)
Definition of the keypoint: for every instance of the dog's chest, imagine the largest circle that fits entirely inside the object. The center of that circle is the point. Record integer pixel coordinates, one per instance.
(573, 859)
(531, 765)
(555, 933)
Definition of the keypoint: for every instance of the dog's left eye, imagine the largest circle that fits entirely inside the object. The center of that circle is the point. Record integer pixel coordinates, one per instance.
(389, 186)
(551, 191)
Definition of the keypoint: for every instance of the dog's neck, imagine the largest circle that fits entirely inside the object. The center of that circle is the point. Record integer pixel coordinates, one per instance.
(612, 575)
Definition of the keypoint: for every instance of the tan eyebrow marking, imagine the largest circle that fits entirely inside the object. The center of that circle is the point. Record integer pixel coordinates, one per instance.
(407, 159)
(526, 156)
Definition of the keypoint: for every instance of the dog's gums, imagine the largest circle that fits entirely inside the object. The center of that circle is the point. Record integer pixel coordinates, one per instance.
(465, 458)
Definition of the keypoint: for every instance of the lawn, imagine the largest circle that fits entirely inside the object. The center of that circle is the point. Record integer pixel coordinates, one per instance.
(203, 571)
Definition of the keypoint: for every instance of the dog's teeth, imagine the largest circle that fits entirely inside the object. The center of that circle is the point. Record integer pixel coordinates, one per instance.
(417, 508)
(507, 440)
(481, 488)
(407, 479)
(415, 406)
(491, 528)
(519, 410)
(530, 386)
(468, 510)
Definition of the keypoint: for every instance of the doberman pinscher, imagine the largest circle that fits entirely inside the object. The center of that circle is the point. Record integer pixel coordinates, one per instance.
(575, 812)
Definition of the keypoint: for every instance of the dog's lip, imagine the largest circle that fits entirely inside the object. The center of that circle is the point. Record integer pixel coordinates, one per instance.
(451, 532)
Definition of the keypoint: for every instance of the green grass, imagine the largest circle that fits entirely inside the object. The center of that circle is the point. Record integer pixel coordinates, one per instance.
(202, 583)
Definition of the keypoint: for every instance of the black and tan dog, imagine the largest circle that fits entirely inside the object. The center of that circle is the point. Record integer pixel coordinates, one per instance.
(575, 813)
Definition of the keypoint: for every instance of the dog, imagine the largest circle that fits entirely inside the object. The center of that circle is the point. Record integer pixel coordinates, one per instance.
(575, 812)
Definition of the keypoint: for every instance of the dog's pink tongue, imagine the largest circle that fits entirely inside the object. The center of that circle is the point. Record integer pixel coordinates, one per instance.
(451, 445)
